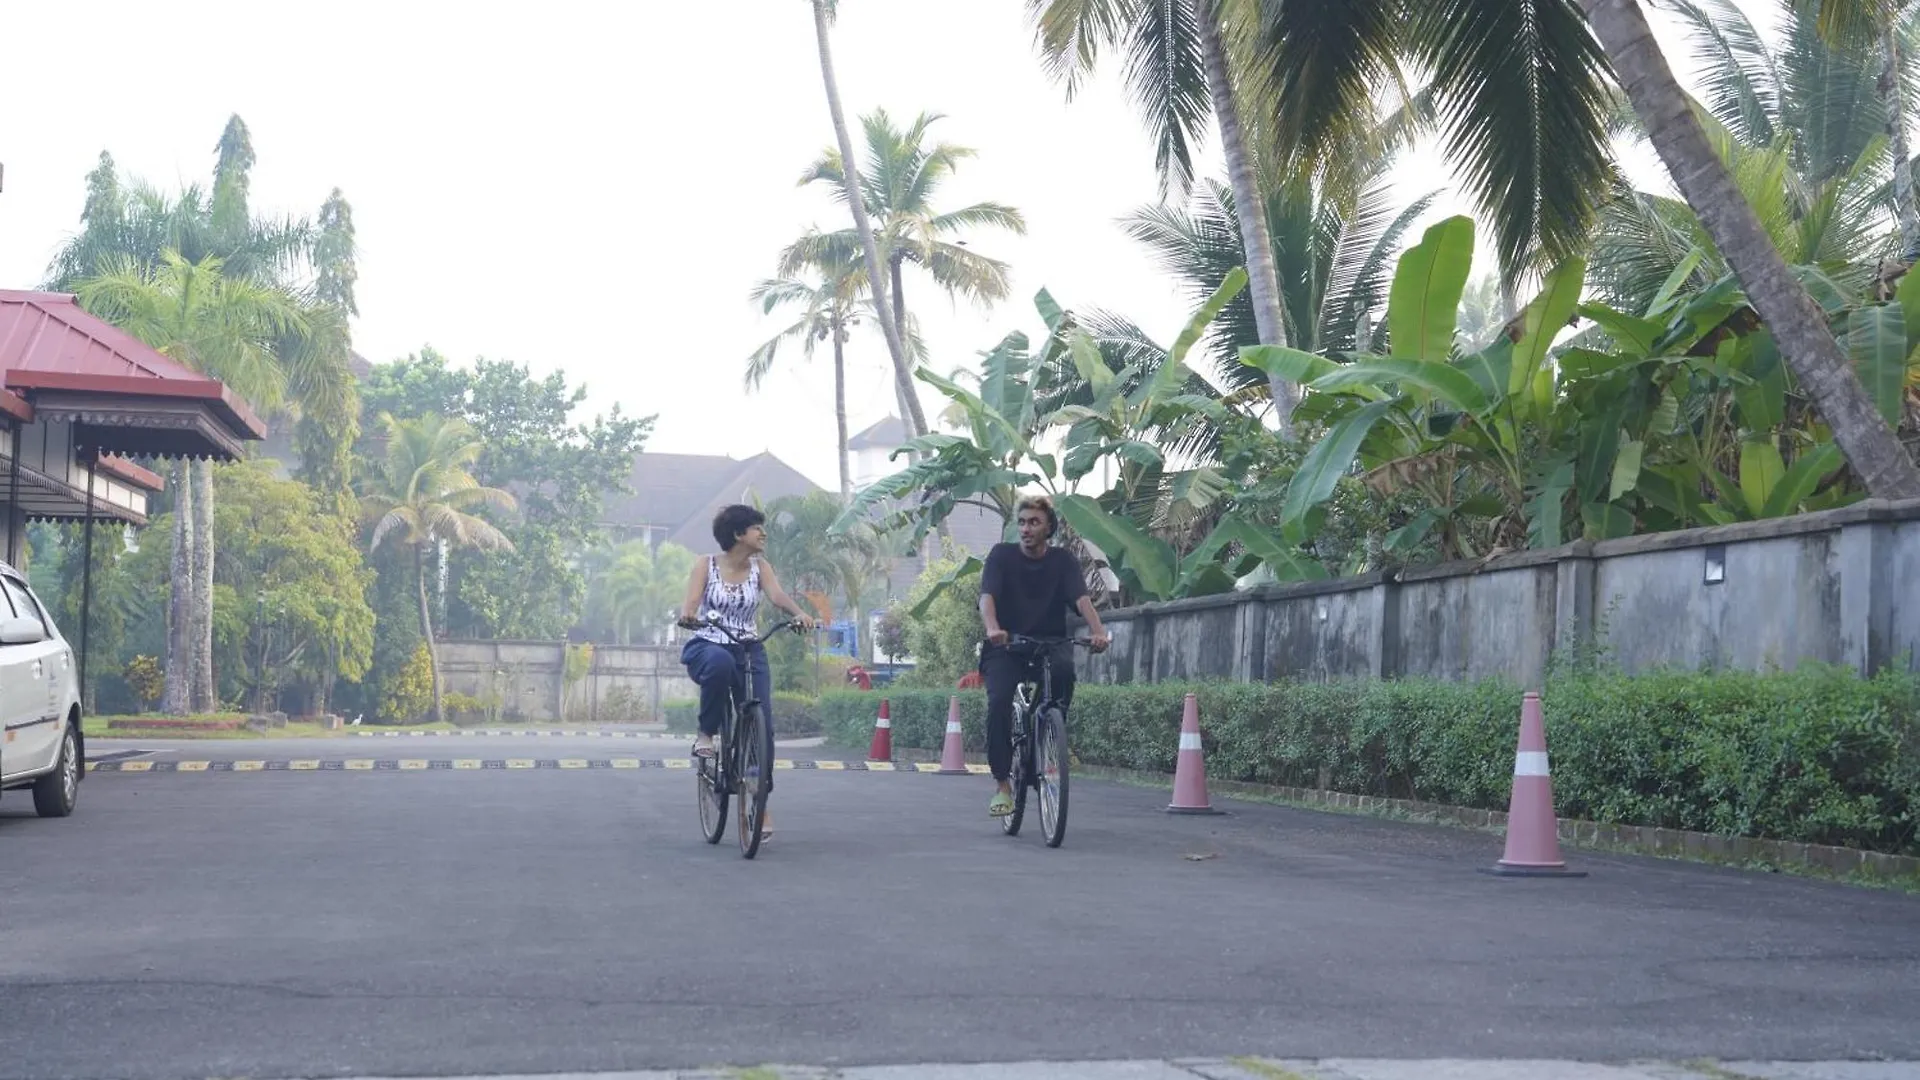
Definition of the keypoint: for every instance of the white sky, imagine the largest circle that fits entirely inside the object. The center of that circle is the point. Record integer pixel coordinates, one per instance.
(592, 186)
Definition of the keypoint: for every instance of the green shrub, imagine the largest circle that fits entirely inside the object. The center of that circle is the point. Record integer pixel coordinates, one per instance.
(1816, 755)
(624, 705)
(683, 717)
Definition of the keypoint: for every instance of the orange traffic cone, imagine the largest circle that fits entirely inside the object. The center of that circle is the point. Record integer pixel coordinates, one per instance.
(1533, 834)
(882, 748)
(953, 760)
(1190, 769)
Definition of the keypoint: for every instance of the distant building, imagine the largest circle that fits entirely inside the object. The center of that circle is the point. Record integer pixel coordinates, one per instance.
(675, 496)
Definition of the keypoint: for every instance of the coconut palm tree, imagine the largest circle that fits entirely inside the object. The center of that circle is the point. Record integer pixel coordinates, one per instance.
(1884, 29)
(1519, 91)
(227, 328)
(1188, 64)
(800, 541)
(827, 300)
(823, 14)
(422, 497)
(633, 589)
(139, 223)
(900, 191)
(831, 297)
(1335, 257)
(1783, 303)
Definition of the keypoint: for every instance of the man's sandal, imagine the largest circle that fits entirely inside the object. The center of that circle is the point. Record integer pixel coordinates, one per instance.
(1001, 806)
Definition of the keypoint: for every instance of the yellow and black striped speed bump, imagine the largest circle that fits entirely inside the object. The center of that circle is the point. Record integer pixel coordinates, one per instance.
(486, 764)
(561, 733)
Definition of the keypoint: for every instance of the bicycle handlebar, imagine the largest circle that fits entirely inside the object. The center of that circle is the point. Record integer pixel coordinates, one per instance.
(1022, 639)
(714, 622)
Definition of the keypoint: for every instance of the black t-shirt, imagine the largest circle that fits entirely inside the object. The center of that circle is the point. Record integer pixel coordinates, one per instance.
(1032, 596)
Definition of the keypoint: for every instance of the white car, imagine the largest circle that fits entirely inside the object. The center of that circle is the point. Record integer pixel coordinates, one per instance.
(42, 747)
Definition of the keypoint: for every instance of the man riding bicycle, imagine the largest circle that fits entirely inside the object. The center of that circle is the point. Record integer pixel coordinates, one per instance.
(1027, 589)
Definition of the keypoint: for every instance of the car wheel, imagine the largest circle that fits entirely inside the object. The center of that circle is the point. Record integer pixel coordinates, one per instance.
(55, 793)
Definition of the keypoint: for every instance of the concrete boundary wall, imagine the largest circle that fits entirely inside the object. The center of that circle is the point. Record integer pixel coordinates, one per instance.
(1840, 586)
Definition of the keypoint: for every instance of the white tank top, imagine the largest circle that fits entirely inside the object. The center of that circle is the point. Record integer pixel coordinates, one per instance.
(735, 604)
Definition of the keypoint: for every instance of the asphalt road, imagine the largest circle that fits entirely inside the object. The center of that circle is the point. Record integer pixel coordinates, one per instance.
(436, 922)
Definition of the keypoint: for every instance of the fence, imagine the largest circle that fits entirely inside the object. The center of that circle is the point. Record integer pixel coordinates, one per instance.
(1841, 586)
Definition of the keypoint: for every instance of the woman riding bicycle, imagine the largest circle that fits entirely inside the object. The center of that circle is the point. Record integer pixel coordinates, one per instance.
(729, 586)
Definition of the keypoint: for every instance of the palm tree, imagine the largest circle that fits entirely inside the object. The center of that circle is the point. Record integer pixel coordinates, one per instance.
(1335, 255)
(633, 589)
(1187, 62)
(899, 192)
(827, 301)
(1857, 28)
(1797, 323)
(813, 558)
(421, 497)
(226, 328)
(823, 13)
(139, 223)
(1519, 90)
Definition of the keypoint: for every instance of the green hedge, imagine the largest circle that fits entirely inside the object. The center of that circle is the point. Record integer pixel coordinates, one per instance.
(1816, 755)
(794, 715)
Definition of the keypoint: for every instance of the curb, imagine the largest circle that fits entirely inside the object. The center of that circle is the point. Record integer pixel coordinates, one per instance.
(1592, 835)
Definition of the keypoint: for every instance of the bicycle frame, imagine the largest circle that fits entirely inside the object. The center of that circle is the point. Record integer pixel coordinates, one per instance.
(742, 699)
(1027, 704)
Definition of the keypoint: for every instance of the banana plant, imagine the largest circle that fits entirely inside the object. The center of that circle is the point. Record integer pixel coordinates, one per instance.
(1685, 420)
(1455, 429)
(991, 463)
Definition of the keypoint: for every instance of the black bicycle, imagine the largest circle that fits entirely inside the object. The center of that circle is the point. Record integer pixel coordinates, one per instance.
(742, 762)
(1040, 752)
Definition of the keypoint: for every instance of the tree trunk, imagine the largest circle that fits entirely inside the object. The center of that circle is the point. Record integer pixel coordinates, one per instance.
(916, 419)
(177, 698)
(426, 629)
(1893, 96)
(205, 699)
(839, 331)
(896, 283)
(1263, 276)
(1796, 322)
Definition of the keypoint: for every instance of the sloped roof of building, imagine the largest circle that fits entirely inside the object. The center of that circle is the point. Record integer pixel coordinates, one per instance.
(680, 493)
(887, 434)
(49, 345)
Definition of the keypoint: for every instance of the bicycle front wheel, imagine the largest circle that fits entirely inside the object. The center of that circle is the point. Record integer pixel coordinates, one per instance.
(712, 793)
(1021, 777)
(1050, 758)
(756, 776)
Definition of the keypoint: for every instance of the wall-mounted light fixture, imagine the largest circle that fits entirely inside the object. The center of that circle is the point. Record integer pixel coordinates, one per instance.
(1716, 570)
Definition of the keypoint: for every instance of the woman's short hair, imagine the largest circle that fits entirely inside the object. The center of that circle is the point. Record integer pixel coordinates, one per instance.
(733, 520)
(1045, 506)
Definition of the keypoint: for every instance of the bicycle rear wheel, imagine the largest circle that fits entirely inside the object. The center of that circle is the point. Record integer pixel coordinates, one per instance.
(756, 776)
(1050, 755)
(713, 797)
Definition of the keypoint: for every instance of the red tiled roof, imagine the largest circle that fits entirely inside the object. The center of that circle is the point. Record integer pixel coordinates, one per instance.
(130, 472)
(47, 342)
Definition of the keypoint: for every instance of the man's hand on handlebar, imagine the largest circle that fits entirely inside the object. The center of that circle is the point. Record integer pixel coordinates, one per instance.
(997, 637)
(1100, 641)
